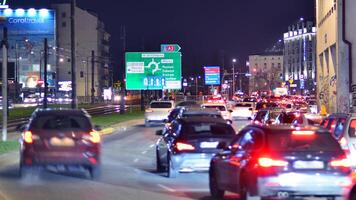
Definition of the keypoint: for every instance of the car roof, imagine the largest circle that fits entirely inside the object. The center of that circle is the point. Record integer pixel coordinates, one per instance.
(60, 111)
(161, 101)
(287, 127)
(202, 120)
(213, 104)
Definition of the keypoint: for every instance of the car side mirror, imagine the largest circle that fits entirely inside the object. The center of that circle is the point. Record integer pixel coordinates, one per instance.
(165, 121)
(250, 109)
(159, 132)
(98, 128)
(222, 145)
(249, 118)
(231, 111)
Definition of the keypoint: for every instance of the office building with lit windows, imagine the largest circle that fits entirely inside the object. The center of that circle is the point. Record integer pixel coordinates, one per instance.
(299, 68)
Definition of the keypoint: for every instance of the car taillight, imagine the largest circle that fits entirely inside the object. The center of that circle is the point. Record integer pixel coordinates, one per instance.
(180, 146)
(269, 162)
(343, 162)
(93, 137)
(149, 110)
(27, 136)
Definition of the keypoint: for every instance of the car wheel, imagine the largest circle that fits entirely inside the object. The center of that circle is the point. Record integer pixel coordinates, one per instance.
(215, 192)
(246, 195)
(159, 166)
(25, 171)
(95, 172)
(171, 172)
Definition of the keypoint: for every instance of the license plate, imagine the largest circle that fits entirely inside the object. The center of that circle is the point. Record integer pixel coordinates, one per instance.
(64, 142)
(209, 145)
(308, 165)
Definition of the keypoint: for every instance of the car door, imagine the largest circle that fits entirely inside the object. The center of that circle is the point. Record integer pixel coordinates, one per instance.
(241, 155)
(222, 163)
(165, 143)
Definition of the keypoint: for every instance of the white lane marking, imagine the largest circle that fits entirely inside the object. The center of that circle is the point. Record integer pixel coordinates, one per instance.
(152, 145)
(136, 160)
(144, 152)
(166, 188)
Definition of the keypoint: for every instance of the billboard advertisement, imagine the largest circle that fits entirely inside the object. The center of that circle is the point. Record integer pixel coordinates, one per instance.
(212, 75)
(27, 29)
(153, 71)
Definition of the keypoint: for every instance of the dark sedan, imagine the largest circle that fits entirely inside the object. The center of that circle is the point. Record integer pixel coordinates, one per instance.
(280, 162)
(190, 143)
(57, 137)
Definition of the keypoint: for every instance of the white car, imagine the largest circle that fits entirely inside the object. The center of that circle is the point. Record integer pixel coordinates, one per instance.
(226, 114)
(158, 112)
(243, 110)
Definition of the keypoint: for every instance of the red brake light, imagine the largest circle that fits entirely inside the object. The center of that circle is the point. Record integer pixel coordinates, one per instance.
(268, 162)
(184, 147)
(344, 162)
(28, 137)
(93, 137)
(303, 133)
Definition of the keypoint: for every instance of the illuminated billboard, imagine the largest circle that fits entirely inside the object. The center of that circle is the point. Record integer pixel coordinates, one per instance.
(27, 29)
(212, 75)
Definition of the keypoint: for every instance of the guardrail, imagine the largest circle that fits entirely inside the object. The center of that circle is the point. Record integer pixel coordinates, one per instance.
(101, 110)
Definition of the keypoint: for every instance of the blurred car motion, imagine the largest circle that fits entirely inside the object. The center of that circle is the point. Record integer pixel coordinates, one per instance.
(60, 138)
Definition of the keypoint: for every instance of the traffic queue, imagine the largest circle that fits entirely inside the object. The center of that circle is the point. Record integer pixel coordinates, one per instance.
(286, 150)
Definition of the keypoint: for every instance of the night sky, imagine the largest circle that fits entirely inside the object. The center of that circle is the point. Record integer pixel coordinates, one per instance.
(207, 30)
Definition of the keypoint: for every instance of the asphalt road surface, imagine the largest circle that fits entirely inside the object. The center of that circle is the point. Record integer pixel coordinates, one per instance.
(128, 172)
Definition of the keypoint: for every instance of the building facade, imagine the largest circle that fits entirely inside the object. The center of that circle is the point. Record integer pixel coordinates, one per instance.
(266, 72)
(299, 67)
(336, 55)
(90, 36)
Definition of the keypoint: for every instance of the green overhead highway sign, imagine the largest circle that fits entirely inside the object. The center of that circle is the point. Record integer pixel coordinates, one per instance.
(153, 71)
(170, 48)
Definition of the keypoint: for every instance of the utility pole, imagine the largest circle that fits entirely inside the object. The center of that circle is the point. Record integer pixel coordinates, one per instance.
(45, 73)
(123, 85)
(73, 52)
(16, 71)
(4, 45)
(92, 77)
(142, 91)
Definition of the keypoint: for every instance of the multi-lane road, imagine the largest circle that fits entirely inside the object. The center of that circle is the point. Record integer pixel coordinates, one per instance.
(128, 172)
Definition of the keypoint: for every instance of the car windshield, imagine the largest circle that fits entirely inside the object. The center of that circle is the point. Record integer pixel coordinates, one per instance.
(61, 122)
(161, 105)
(207, 129)
(285, 141)
(220, 108)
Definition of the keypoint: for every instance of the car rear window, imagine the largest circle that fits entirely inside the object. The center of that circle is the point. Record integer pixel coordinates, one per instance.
(266, 105)
(202, 115)
(289, 142)
(207, 130)
(161, 105)
(187, 103)
(61, 122)
(220, 108)
(243, 105)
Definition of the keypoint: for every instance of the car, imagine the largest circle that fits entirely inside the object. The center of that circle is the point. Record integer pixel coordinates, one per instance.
(158, 112)
(243, 110)
(60, 137)
(222, 108)
(190, 143)
(313, 106)
(265, 105)
(342, 127)
(32, 98)
(293, 118)
(280, 162)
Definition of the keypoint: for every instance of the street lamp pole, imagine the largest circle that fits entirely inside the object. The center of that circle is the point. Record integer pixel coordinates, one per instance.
(73, 59)
(233, 76)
